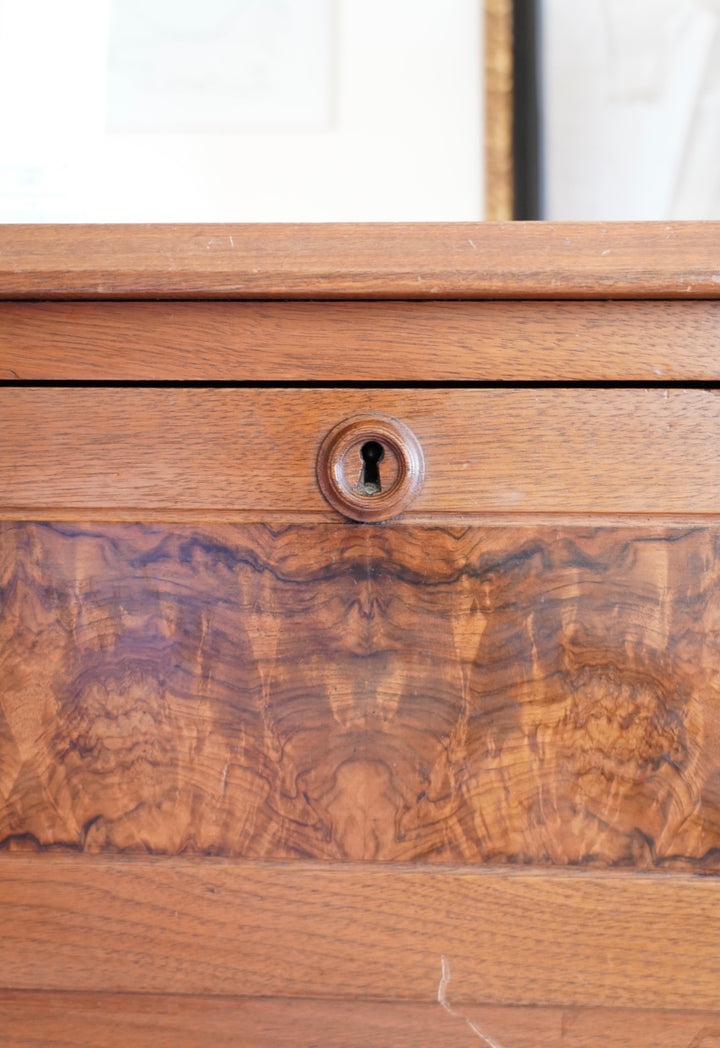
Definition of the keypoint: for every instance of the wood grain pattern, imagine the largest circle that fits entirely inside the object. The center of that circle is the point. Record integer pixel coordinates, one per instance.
(476, 695)
(516, 451)
(498, 109)
(385, 261)
(80, 1020)
(367, 931)
(360, 342)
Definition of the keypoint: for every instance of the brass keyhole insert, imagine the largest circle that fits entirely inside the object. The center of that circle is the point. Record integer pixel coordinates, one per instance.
(370, 467)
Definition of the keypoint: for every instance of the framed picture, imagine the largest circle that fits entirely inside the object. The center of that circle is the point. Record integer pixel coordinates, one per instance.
(240, 111)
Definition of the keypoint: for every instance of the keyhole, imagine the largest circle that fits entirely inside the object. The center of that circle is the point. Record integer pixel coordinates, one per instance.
(372, 453)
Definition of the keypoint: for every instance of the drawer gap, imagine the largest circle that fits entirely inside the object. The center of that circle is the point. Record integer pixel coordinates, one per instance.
(229, 384)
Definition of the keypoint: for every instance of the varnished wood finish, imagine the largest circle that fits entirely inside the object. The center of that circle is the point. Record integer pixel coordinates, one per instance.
(449, 780)
(360, 342)
(385, 261)
(513, 451)
(80, 1020)
(369, 931)
(488, 695)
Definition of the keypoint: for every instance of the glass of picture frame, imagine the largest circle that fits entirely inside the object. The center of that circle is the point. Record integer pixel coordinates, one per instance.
(605, 110)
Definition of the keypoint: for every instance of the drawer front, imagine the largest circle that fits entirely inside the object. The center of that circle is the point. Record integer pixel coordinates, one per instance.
(132, 452)
(204, 662)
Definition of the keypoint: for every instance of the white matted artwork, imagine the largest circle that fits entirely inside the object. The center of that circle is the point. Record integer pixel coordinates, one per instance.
(220, 65)
(240, 110)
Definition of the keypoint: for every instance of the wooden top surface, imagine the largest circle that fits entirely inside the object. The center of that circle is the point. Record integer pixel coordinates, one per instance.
(482, 260)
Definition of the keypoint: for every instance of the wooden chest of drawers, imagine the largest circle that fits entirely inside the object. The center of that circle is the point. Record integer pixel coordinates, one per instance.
(272, 774)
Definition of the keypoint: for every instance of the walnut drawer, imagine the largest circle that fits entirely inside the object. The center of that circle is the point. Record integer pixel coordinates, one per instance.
(453, 776)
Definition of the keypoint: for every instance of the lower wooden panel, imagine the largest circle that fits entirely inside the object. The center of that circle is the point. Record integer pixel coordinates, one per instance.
(363, 931)
(77, 1020)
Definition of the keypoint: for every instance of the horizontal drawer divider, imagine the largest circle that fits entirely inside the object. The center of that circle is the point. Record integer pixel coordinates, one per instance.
(369, 342)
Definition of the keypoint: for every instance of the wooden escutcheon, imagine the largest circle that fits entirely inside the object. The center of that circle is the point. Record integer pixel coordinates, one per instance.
(370, 467)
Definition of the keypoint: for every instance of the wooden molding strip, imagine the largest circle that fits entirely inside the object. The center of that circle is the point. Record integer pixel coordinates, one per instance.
(614, 451)
(384, 261)
(360, 342)
(361, 931)
(200, 517)
(36, 1019)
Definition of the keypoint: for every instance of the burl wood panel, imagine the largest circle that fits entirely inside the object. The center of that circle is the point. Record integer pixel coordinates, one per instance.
(541, 695)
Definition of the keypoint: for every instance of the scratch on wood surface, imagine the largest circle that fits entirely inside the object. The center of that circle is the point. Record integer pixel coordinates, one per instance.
(702, 1035)
(443, 1000)
(483, 1036)
(444, 980)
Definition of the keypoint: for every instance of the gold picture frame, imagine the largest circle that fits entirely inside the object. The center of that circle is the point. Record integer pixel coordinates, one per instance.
(513, 110)
(498, 107)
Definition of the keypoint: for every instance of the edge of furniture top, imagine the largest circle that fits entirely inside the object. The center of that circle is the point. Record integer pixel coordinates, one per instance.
(479, 260)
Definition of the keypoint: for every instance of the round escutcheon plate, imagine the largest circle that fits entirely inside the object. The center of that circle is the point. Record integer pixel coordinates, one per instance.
(370, 467)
